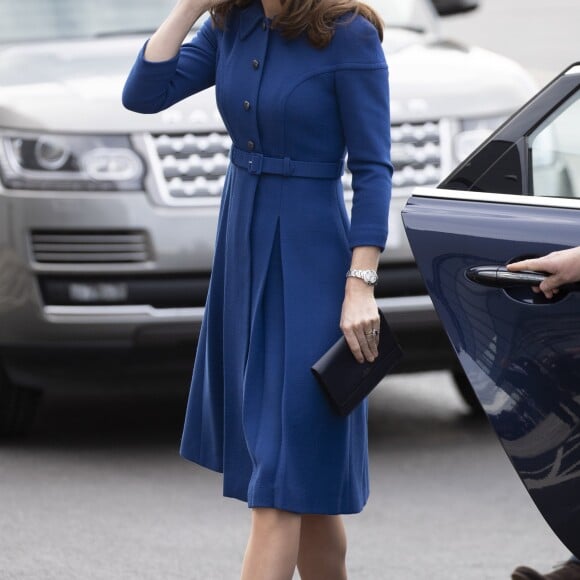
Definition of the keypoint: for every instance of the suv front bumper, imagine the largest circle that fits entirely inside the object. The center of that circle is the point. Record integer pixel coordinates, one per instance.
(41, 337)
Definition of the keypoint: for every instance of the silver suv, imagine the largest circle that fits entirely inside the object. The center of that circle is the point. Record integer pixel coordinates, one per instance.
(107, 218)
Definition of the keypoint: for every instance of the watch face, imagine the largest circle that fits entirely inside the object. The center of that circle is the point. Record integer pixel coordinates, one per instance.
(370, 277)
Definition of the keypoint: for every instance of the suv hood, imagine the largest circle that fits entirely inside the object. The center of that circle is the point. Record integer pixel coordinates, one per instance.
(440, 78)
(75, 86)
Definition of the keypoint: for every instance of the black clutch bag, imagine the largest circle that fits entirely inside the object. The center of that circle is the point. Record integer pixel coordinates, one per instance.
(346, 381)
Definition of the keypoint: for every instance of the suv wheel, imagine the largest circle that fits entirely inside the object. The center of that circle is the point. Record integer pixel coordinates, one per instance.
(466, 391)
(18, 406)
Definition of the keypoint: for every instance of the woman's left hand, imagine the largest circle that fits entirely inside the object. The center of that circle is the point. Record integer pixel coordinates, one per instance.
(359, 318)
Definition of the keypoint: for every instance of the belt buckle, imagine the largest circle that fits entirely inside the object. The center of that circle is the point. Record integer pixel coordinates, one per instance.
(255, 163)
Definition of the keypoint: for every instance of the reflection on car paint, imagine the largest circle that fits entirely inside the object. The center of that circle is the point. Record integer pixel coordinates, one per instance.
(519, 350)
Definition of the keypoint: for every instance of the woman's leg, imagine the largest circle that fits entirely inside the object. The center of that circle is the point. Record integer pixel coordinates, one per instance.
(272, 549)
(322, 553)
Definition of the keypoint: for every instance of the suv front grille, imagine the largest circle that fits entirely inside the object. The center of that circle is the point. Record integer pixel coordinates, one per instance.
(89, 247)
(193, 166)
(416, 154)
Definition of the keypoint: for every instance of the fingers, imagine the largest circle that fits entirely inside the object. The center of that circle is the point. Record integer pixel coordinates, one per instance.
(547, 287)
(370, 338)
(373, 339)
(531, 264)
(354, 345)
(548, 263)
(550, 286)
(364, 342)
(361, 340)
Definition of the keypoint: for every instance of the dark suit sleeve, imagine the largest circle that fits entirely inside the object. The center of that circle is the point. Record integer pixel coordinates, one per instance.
(363, 97)
(154, 86)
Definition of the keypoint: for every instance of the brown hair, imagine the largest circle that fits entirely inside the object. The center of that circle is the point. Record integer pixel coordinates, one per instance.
(316, 18)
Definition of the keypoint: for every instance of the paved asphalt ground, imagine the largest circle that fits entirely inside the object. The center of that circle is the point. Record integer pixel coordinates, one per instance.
(98, 491)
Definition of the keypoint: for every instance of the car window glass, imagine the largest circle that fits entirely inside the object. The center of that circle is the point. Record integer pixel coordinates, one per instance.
(555, 152)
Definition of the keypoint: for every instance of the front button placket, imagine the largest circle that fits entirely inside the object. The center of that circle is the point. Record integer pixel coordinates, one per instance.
(258, 41)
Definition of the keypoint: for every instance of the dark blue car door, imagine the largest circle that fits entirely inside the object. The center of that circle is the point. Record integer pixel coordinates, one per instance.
(517, 196)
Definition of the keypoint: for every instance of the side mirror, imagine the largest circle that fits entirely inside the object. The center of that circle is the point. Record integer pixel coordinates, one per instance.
(449, 7)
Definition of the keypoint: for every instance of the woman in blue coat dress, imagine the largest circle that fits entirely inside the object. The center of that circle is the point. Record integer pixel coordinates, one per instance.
(298, 83)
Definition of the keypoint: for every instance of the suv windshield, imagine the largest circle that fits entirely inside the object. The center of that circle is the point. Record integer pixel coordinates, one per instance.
(25, 20)
(411, 14)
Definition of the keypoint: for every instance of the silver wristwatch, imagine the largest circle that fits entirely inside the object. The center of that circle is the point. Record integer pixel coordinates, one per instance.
(369, 277)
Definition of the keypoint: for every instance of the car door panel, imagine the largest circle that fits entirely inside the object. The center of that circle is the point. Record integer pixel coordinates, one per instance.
(520, 350)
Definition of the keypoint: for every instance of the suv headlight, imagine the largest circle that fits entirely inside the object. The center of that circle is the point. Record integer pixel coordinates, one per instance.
(69, 163)
(472, 133)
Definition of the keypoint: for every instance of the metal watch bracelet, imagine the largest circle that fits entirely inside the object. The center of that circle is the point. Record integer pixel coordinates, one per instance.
(369, 277)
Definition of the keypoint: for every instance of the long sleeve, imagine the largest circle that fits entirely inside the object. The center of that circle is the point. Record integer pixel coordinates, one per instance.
(154, 86)
(363, 97)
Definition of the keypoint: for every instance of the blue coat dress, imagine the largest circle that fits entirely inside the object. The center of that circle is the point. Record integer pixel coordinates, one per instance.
(283, 246)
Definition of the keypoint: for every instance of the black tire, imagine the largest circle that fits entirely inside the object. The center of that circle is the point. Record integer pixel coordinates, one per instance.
(18, 406)
(467, 393)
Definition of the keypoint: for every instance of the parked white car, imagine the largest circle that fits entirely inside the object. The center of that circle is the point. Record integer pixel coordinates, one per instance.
(107, 217)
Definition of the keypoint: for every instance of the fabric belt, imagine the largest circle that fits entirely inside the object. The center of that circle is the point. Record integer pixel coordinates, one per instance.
(256, 164)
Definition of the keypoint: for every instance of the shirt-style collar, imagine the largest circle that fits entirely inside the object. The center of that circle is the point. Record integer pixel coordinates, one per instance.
(250, 17)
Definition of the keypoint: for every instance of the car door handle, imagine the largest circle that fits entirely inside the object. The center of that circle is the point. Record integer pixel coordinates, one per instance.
(501, 277)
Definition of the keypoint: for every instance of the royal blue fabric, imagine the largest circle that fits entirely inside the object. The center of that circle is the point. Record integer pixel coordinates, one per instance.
(255, 412)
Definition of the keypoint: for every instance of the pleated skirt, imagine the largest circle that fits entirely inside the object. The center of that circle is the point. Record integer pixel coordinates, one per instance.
(255, 411)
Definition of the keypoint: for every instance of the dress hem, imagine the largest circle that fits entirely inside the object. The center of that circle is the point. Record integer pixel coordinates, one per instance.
(279, 505)
(317, 512)
(207, 464)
